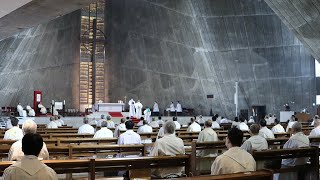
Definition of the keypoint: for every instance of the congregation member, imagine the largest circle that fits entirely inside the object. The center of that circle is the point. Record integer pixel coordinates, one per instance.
(235, 123)
(16, 153)
(264, 131)
(120, 127)
(104, 132)
(316, 131)
(314, 119)
(86, 128)
(160, 121)
(52, 124)
(242, 125)
(145, 129)
(277, 128)
(235, 159)
(270, 119)
(61, 120)
(251, 120)
(194, 126)
(129, 137)
(14, 133)
(56, 120)
(178, 125)
(215, 124)
(200, 120)
(154, 123)
(291, 122)
(168, 145)
(29, 167)
(110, 123)
(140, 123)
(224, 120)
(255, 142)
(99, 121)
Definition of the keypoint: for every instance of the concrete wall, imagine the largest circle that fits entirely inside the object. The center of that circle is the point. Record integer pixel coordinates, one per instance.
(168, 50)
(44, 58)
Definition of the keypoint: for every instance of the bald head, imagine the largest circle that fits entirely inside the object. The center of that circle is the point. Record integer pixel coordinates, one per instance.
(29, 127)
(169, 127)
(254, 129)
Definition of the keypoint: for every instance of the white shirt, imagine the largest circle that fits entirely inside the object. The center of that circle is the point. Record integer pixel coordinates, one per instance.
(224, 120)
(243, 126)
(251, 121)
(154, 124)
(290, 125)
(58, 123)
(140, 123)
(278, 129)
(256, 143)
(52, 124)
(104, 132)
(110, 124)
(155, 107)
(145, 129)
(235, 124)
(129, 137)
(266, 133)
(15, 133)
(61, 121)
(297, 140)
(179, 108)
(315, 132)
(178, 125)
(194, 127)
(172, 109)
(215, 125)
(120, 127)
(86, 129)
(160, 122)
(207, 134)
(16, 153)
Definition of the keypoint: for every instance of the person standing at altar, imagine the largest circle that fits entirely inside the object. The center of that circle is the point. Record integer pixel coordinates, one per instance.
(138, 107)
(147, 115)
(179, 109)
(131, 108)
(155, 109)
(172, 109)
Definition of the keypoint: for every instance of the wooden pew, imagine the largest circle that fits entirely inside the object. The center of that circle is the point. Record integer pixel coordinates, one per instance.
(71, 135)
(79, 141)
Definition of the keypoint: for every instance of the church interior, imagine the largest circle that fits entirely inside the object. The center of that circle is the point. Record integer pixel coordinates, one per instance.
(159, 89)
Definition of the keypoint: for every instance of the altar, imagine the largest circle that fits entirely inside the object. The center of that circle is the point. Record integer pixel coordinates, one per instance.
(109, 107)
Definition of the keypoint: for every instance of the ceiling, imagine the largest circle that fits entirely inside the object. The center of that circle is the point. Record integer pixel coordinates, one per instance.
(7, 6)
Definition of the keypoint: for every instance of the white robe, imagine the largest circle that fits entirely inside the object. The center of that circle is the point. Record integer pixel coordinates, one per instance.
(86, 129)
(154, 124)
(194, 127)
(251, 121)
(129, 137)
(290, 125)
(278, 129)
(223, 121)
(104, 132)
(215, 125)
(172, 108)
(315, 132)
(138, 107)
(120, 127)
(145, 129)
(243, 126)
(160, 133)
(147, 115)
(235, 124)
(160, 122)
(20, 110)
(52, 124)
(15, 133)
(155, 107)
(110, 124)
(131, 108)
(266, 133)
(16, 153)
(207, 135)
(179, 107)
(255, 143)
(234, 160)
(178, 125)
(169, 145)
(29, 168)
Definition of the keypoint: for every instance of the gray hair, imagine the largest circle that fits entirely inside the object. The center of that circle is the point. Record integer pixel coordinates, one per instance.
(297, 127)
(169, 127)
(85, 120)
(254, 129)
(29, 127)
(104, 124)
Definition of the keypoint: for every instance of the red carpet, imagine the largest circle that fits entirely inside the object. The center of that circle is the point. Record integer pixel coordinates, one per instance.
(116, 114)
(135, 120)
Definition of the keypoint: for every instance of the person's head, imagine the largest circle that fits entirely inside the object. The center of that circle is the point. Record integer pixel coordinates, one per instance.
(153, 119)
(316, 117)
(102, 116)
(222, 117)
(56, 118)
(208, 123)
(59, 117)
(263, 123)
(169, 127)
(127, 118)
(129, 124)
(251, 117)
(142, 119)
(32, 144)
(317, 122)
(234, 138)
(159, 118)
(14, 121)
(192, 120)
(293, 118)
(178, 102)
(174, 118)
(214, 118)
(108, 118)
(276, 121)
(200, 116)
(296, 127)
(236, 119)
(52, 118)
(85, 120)
(122, 120)
(254, 129)
(29, 127)
(104, 124)
(145, 122)
(242, 119)
(270, 115)
(216, 115)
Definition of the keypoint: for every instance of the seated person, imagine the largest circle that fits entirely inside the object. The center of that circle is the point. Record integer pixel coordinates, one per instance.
(224, 120)
(29, 167)
(120, 127)
(154, 123)
(251, 120)
(129, 137)
(110, 123)
(57, 120)
(242, 125)
(14, 133)
(52, 123)
(160, 121)
(215, 124)
(168, 145)
(145, 129)
(140, 123)
(16, 153)
(86, 128)
(314, 120)
(292, 120)
(235, 159)
(316, 131)
(194, 126)
(178, 125)
(60, 120)
(235, 123)
(104, 132)
(255, 142)
(264, 131)
(277, 128)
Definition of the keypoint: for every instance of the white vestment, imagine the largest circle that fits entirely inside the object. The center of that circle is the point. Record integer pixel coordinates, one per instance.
(61, 121)
(201, 120)
(58, 123)
(120, 127)
(15, 133)
(20, 110)
(224, 120)
(29, 168)
(104, 132)
(235, 124)
(52, 124)
(278, 129)
(145, 129)
(154, 124)
(138, 107)
(207, 135)
(155, 107)
(243, 126)
(86, 129)
(234, 160)
(31, 113)
(110, 124)
(178, 125)
(172, 108)
(129, 137)
(290, 125)
(16, 153)
(179, 107)
(215, 125)
(255, 143)
(147, 115)
(169, 145)
(194, 127)
(43, 109)
(251, 121)
(315, 132)
(160, 133)
(131, 108)
(266, 133)
(270, 120)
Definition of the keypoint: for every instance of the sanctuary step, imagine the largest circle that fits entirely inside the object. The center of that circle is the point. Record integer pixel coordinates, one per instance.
(116, 114)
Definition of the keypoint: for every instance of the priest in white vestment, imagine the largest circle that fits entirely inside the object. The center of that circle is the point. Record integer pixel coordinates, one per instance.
(147, 115)
(104, 132)
(138, 106)
(291, 122)
(155, 109)
(43, 109)
(264, 131)
(242, 125)
(194, 126)
(277, 128)
(132, 112)
(86, 128)
(120, 127)
(52, 124)
(215, 124)
(179, 109)
(235, 159)
(20, 110)
(154, 123)
(16, 153)
(129, 137)
(14, 133)
(168, 145)
(145, 128)
(255, 142)
(31, 112)
(29, 167)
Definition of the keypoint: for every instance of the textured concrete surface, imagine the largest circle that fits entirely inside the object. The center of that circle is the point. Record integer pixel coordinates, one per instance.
(37, 12)
(168, 50)
(44, 58)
